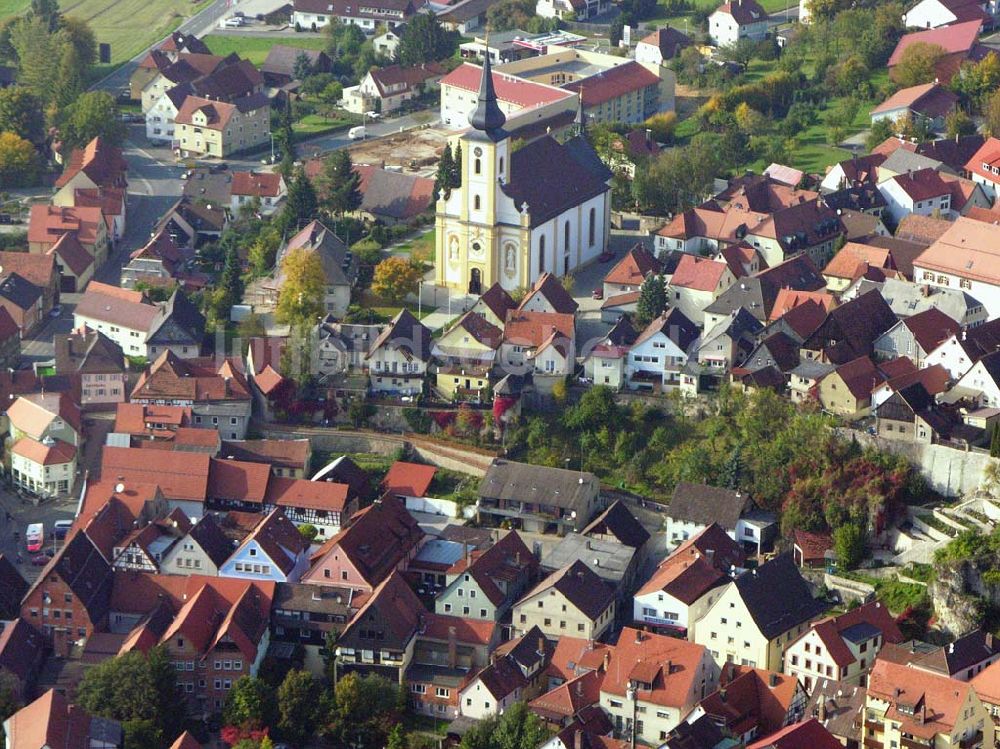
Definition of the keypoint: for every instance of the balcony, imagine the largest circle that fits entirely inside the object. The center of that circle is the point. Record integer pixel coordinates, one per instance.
(873, 743)
(909, 742)
(873, 725)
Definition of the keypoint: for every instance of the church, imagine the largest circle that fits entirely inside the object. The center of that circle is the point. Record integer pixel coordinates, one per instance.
(544, 207)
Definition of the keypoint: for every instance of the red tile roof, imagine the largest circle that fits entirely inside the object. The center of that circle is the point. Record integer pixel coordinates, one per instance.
(312, 495)
(634, 267)
(959, 37)
(614, 82)
(931, 327)
(202, 379)
(58, 453)
(101, 162)
(256, 184)
(670, 666)
(860, 376)
(467, 631)
(409, 479)
(922, 184)
(929, 99)
(47, 223)
(180, 475)
(813, 545)
(753, 697)
(904, 686)
(72, 253)
(532, 329)
(698, 273)
(509, 89)
(798, 735)
(745, 12)
(985, 159)
(831, 629)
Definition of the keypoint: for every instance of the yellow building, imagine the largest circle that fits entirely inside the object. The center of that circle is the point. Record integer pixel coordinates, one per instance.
(847, 390)
(518, 214)
(466, 352)
(910, 708)
(204, 127)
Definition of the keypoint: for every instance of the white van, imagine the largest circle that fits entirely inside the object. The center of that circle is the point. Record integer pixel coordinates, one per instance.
(356, 133)
(34, 537)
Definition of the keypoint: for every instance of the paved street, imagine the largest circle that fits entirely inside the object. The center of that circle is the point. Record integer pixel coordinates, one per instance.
(22, 514)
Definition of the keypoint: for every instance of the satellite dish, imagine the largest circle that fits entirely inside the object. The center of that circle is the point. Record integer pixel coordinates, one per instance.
(119, 488)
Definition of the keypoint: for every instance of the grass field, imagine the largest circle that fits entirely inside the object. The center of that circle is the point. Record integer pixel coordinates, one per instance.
(255, 48)
(129, 26)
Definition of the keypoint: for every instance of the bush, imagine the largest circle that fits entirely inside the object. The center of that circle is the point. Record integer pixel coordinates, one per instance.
(309, 532)
(417, 420)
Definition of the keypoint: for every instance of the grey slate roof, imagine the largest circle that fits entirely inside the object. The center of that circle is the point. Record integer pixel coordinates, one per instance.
(88, 352)
(560, 487)
(619, 522)
(19, 290)
(777, 596)
(548, 192)
(704, 505)
(177, 321)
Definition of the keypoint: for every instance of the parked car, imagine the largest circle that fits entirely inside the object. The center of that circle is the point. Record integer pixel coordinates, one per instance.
(34, 536)
(60, 528)
(56, 311)
(40, 560)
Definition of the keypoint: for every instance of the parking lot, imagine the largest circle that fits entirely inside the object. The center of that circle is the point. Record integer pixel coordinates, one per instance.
(16, 514)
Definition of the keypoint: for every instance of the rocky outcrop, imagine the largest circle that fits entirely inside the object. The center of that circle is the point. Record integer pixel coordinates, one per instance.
(959, 593)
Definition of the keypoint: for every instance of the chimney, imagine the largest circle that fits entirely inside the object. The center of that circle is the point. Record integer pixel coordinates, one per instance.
(821, 714)
(989, 640)
(772, 680)
(579, 688)
(722, 695)
(925, 290)
(578, 740)
(607, 660)
(452, 648)
(541, 646)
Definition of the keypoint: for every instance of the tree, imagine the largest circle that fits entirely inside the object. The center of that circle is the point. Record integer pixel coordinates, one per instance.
(617, 31)
(46, 11)
(298, 706)
(37, 49)
(395, 278)
(397, 738)
(19, 162)
(250, 703)
(332, 93)
(995, 441)
(740, 52)
(80, 36)
(9, 704)
(507, 15)
(977, 80)
(302, 68)
(991, 116)
(652, 300)
(231, 280)
(138, 690)
(918, 64)
(880, 131)
(425, 40)
(21, 114)
(301, 204)
(301, 298)
(445, 173)
(958, 124)
(70, 81)
(93, 114)
(661, 126)
(849, 546)
(340, 183)
(363, 710)
(308, 531)
(516, 728)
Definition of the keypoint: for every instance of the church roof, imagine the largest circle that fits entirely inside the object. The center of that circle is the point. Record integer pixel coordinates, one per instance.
(551, 178)
(487, 115)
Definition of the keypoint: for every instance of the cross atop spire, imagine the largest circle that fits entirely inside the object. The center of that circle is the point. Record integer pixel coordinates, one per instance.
(487, 115)
(580, 120)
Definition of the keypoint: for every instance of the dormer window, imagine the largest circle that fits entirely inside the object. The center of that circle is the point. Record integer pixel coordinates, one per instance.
(253, 552)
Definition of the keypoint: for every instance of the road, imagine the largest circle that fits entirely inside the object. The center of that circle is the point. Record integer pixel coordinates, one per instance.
(23, 513)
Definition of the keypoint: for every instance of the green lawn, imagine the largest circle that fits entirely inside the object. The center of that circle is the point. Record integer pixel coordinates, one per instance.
(422, 245)
(255, 48)
(129, 26)
(316, 124)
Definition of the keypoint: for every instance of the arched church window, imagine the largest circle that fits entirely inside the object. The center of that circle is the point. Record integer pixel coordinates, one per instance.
(475, 202)
(593, 225)
(501, 165)
(479, 166)
(541, 254)
(566, 237)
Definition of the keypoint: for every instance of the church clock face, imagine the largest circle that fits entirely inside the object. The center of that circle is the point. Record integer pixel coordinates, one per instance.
(477, 151)
(477, 248)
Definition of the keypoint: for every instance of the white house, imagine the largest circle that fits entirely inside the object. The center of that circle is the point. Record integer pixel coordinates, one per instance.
(959, 352)
(694, 507)
(984, 167)
(983, 380)
(841, 648)
(965, 257)
(265, 189)
(739, 19)
(923, 193)
(397, 361)
(660, 352)
(696, 283)
(661, 46)
(162, 112)
(930, 14)
(571, 10)
(45, 468)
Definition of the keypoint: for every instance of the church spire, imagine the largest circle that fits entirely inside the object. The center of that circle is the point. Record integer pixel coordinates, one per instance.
(580, 121)
(487, 115)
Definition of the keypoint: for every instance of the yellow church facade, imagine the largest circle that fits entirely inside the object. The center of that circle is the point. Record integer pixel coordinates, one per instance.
(517, 215)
